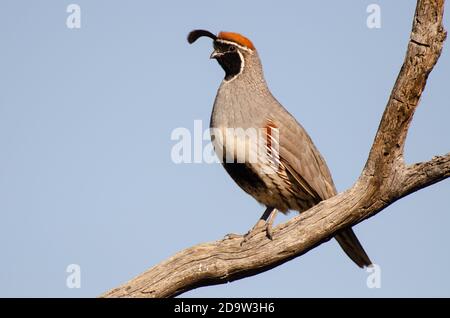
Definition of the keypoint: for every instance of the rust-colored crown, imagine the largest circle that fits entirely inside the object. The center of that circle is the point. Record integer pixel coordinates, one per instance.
(236, 38)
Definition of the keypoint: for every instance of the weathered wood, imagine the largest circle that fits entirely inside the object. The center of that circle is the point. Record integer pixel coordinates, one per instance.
(384, 179)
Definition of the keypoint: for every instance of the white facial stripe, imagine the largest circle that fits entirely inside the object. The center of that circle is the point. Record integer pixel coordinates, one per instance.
(235, 44)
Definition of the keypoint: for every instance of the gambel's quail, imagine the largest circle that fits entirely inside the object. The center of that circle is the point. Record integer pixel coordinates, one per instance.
(290, 173)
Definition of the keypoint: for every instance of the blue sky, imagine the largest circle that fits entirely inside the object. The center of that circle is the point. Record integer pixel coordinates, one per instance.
(86, 116)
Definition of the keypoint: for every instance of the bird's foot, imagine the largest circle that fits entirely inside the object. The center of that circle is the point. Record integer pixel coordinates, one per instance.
(260, 226)
(264, 224)
(231, 236)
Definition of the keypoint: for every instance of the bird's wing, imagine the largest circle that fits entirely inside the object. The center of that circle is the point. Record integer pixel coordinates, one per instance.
(307, 168)
(302, 160)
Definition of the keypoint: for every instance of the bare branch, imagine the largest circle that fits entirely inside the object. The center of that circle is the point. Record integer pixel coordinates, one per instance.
(424, 48)
(384, 180)
(424, 174)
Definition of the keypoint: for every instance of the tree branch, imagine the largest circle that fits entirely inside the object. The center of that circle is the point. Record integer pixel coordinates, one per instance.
(424, 174)
(384, 179)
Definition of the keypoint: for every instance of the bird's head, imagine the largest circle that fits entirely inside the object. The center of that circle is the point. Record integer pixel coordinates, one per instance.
(231, 50)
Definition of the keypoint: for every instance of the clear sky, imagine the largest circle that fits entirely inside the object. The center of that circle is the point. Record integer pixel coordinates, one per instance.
(86, 115)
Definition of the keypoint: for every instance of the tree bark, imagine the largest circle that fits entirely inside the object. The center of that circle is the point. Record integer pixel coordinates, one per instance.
(384, 179)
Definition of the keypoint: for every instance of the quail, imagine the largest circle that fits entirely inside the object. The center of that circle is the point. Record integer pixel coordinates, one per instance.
(287, 172)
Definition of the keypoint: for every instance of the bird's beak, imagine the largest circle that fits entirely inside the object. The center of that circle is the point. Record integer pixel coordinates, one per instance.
(215, 54)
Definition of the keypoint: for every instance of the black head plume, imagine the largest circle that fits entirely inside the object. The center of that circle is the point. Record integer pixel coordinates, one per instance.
(195, 34)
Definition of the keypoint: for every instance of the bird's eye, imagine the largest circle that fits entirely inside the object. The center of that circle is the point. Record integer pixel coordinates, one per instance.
(232, 48)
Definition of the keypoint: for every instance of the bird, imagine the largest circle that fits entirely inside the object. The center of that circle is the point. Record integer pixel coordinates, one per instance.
(284, 171)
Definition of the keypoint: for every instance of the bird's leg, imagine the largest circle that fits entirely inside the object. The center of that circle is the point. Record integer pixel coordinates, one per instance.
(269, 223)
(266, 220)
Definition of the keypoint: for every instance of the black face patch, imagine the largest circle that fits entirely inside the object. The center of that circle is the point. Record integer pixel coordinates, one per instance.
(230, 60)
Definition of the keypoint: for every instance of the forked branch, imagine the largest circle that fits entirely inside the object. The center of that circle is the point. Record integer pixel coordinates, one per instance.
(385, 179)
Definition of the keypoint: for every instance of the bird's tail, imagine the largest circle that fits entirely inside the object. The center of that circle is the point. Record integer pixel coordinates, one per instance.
(352, 247)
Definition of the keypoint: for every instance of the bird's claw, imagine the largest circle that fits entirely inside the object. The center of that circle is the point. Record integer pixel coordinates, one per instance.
(231, 236)
(262, 225)
(267, 228)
